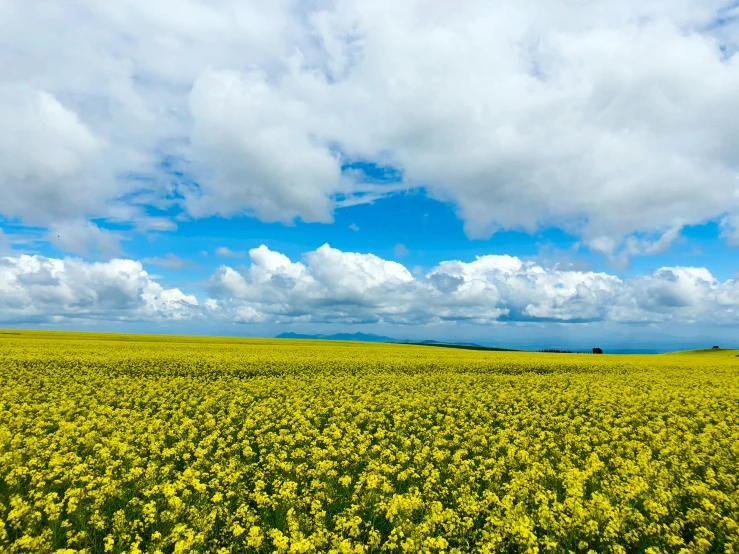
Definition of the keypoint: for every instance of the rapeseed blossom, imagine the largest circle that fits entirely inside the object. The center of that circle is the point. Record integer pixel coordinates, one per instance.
(112, 443)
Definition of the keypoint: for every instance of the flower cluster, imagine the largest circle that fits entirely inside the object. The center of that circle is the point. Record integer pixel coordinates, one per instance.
(167, 444)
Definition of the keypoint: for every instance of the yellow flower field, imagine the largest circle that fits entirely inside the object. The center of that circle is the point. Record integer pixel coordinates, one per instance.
(123, 443)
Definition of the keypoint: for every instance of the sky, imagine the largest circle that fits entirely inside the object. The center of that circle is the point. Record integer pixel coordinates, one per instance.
(531, 174)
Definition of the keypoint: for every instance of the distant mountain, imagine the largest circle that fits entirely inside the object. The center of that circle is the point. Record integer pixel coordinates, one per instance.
(364, 337)
(368, 337)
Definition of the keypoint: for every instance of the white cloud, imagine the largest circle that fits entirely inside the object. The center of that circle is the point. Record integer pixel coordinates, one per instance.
(605, 118)
(37, 289)
(228, 253)
(257, 152)
(170, 261)
(354, 227)
(344, 287)
(334, 286)
(144, 224)
(530, 114)
(51, 161)
(83, 237)
(61, 162)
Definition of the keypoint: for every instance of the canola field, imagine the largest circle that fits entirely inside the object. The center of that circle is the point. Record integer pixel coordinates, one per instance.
(124, 443)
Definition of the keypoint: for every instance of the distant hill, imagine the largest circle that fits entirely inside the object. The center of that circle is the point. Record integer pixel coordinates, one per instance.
(368, 337)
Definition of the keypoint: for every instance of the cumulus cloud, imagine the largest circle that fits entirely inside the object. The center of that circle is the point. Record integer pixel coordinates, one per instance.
(614, 120)
(331, 286)
(50, 159)
(526, 117)
(38, 289)
(57, 169)
(257, 152)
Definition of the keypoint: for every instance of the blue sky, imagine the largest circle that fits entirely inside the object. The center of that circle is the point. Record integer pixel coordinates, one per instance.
(548, 177)
(429, 229)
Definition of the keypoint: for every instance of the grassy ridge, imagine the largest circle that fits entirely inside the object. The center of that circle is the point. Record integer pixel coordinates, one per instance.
(718, 352)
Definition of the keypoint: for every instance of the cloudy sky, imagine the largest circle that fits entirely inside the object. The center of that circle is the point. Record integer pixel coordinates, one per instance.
(535, 173)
